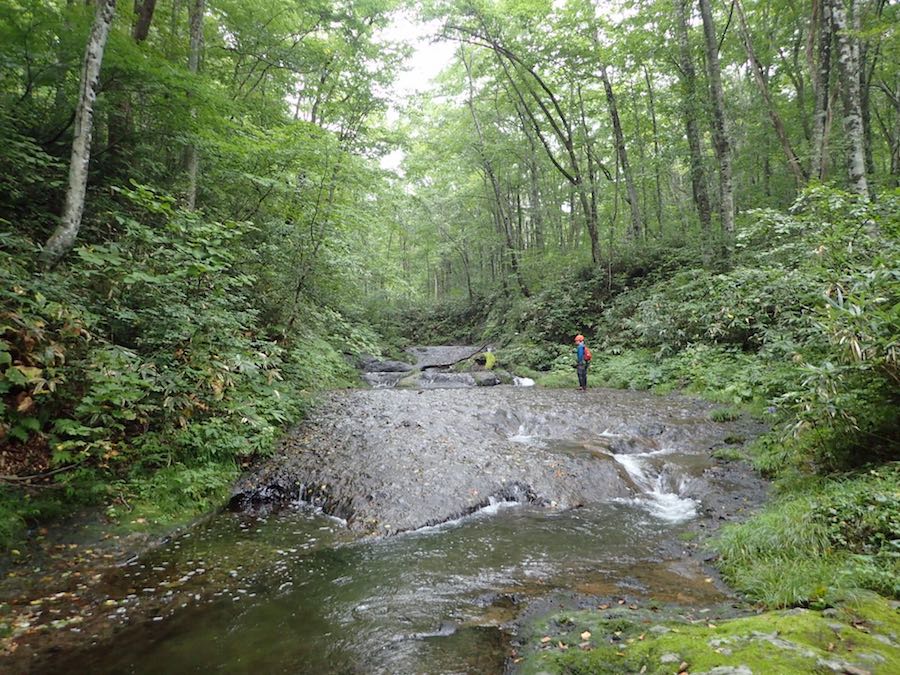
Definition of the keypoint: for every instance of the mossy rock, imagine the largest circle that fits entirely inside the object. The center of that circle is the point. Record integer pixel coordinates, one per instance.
(859, 637)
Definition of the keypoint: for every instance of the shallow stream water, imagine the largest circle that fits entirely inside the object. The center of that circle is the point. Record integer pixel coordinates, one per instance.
(602, 490)
(297, 592)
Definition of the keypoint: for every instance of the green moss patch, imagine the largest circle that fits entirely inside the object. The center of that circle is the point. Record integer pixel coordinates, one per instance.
(863, 635)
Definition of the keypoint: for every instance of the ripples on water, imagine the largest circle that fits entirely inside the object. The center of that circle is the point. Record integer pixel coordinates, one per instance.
(295, 593)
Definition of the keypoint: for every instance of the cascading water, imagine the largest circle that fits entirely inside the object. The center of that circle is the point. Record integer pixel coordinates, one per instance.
(658, 497)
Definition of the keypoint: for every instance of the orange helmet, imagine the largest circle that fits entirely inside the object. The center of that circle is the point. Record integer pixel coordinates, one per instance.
(579, 338)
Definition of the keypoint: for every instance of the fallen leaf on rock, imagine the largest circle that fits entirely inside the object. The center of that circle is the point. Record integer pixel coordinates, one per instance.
(562, 645)
(586, 635)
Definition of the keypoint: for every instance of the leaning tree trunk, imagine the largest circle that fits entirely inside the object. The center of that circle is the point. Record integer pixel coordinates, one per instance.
(63, 238)
(819, 140)
(636, 225)
(692, 129)
(143, 10)
(721, 138)
(193, 153)
(762, 84)
(848, 65)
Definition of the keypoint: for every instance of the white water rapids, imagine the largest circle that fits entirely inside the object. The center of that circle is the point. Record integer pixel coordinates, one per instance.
(655, 479)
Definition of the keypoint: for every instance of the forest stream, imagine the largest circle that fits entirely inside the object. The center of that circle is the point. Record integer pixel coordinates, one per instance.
(409, 530)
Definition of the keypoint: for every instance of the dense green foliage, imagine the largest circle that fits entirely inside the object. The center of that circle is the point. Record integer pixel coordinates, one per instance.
(172, 344)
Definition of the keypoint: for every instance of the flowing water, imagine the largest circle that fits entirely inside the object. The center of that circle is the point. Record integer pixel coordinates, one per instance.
(297, 592)
(599, 491)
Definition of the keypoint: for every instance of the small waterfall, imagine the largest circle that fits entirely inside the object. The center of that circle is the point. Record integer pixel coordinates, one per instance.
(658, 498)
(523, 382)
(521, 436)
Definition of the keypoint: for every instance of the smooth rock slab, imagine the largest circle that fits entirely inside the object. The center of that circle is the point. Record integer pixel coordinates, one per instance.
(390, 460)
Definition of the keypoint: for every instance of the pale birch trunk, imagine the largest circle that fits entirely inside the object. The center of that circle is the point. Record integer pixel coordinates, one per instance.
(721, 138)
(636, 224)
(848, 66)
(819, 140)
(192, 162)
(63, 237)
(692, 129)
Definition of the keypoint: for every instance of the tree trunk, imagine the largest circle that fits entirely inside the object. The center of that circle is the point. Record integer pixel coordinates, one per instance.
(121, 122)
(777, 124)
(692, 129)
(721, 133)
(503, 216)
(848, 66)
(895, 139)
(822, 86)
(143, 10)
(636, 224)
(658, 181)
(63, 238)
(197, 8)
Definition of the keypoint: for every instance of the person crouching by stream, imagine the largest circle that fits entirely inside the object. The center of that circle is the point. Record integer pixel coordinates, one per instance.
(583, 356)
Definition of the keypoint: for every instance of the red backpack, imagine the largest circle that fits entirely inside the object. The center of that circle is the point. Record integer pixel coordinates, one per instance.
(587, 353)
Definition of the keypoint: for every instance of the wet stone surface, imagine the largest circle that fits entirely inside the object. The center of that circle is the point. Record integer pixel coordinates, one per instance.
(389, 461)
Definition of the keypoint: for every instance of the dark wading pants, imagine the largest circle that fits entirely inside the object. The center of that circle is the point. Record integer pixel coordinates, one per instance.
(581, 369)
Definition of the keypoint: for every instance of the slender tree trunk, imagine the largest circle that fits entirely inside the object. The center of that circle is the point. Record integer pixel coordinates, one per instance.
(143, 10)
(822, 86)
(758, 75)
(721, 132)
(636, 224)
(503, 216)
(60, 110)
(121, 122)
(658, 181)
(895, 139)
(848, 65)
(692, 129)
(63, 237)
(642, 154)
(197, 8)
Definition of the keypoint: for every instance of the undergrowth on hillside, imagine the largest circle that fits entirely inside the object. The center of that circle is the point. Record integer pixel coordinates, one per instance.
(143, 371)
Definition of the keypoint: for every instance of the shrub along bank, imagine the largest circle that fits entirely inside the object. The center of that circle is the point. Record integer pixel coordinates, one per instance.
(143, 374)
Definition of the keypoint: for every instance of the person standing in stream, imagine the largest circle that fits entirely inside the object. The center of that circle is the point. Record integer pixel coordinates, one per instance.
(583, 355)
